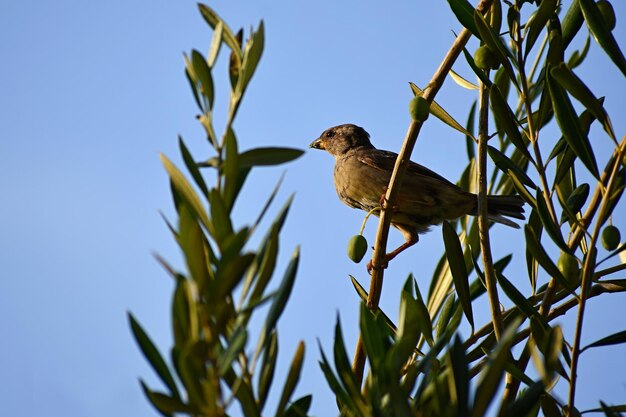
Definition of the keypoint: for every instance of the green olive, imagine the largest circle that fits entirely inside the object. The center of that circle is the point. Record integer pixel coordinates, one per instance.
(607, 12)
(568, 265)
(357, 247)
(485, 59)
(419, 109)
(610, 237)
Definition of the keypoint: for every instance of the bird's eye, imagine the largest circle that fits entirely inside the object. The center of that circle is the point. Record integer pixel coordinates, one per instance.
(330, 134)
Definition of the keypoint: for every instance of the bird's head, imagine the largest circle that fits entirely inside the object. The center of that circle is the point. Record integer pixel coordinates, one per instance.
(340, 139)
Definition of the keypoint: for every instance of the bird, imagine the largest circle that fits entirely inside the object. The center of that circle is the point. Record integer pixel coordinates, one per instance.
(362, 173)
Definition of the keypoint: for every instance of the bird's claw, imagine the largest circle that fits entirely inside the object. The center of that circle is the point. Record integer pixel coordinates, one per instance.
(371, 266)
(383, 203)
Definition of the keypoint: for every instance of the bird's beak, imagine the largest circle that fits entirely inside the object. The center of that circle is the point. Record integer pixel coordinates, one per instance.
(317, 144)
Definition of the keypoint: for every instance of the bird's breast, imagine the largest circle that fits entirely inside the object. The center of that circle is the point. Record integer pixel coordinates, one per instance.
(359, 185)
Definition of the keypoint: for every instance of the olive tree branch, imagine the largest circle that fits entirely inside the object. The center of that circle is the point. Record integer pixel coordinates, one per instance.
(382, 233)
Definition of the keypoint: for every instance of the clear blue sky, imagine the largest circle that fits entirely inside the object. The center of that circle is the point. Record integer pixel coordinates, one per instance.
(91, 92)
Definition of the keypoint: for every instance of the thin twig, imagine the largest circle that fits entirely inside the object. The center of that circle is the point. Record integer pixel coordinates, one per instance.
(587, 274)
(483, 221)
(380, 245)
(558, 311)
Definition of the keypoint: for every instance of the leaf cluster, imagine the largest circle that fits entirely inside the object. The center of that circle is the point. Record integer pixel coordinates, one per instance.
(226, 282)
(570, 195)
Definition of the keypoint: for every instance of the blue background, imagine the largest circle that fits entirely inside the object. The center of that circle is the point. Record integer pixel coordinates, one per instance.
(91, 92)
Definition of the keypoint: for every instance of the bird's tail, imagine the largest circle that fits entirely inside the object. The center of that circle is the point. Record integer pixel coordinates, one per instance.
(499, 207)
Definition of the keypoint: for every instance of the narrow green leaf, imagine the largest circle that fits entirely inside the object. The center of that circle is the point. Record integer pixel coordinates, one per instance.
(203, 74)
(469, 139)
(335, 386)
(464, 13)
(576, 200)
(236, 343)
(513, 18)
(165, 404)
(300, 407)
(230, 274)
(268, 366)
(424, 367)
(184, 314)
(505, 164)
(601, 33)
(216, 44)
(461, 376)
(192, 167)
(153, 356)
(550, 407)
(374, 337)
(192, 243)
(525, 403)
(577, 57)
(551, 228)
(534, 247)
(284, 291)
(438, 111)
(506, 120)
(570, 127)
(559, 149)
(222, 226)
(553, 348)
(556, 45)
(462, 82)
(614, 339)
(425, 322)
(609, 411)
(456, 260)
(575, 86)
(214, 20)
(521, 190)
(564, 163)
(572, 22)
(267, 264)
(234, 73)
(185, 190)
(269, 201)
(494, 16)
(342, 364)
(231, 169)
(192, 83)
(243, 391)
(252, 54)
(268, 156)
(538, 22)
(292, 379)
(516, 296)
(493, 372)
(503, 82)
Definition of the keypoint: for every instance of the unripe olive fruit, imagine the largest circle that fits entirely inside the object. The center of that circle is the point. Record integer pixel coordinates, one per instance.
(568, 265)
(607, 12)
(610, 237)
(357, 247)
(419, 109)
(485, 59)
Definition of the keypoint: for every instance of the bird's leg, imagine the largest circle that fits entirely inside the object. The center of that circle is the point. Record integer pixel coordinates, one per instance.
(411, 239)
(383, 202)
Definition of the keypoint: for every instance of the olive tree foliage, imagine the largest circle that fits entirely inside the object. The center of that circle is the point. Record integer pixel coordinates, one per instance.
(417, 363)
(225, 282)
(540, 149)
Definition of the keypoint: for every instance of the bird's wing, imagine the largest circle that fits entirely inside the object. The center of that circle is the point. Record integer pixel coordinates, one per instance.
(385, 161)
(419, 186)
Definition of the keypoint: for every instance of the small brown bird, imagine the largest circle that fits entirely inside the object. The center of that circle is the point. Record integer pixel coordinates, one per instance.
(362, 174)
